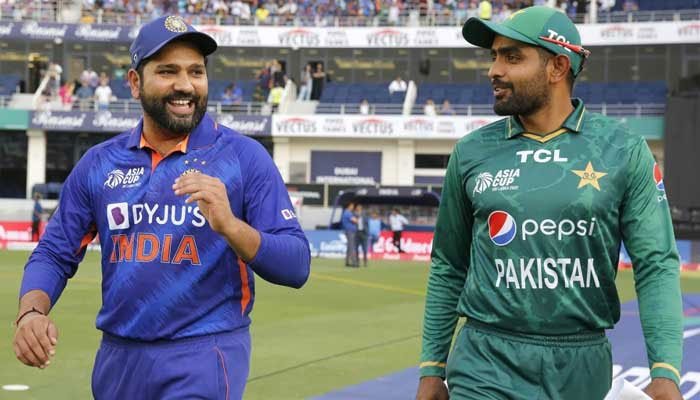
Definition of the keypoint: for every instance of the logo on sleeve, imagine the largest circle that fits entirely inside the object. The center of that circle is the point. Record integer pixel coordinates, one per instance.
(118, 215)
(658, 178)
(502, 228)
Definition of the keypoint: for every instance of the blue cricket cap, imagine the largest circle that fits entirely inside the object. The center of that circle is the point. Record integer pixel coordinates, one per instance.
(156, 34)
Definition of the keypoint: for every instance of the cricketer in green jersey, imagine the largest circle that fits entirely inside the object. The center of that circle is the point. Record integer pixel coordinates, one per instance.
(533, 211)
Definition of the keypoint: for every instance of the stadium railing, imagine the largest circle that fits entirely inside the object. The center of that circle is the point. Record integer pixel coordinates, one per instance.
(255, 108)
(40, 11)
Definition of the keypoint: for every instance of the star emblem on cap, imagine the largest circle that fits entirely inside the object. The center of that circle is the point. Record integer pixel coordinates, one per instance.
(589, 176)
(175, 23)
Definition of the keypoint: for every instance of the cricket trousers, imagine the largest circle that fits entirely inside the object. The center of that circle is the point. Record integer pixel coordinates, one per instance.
(204, 367)
(488, 363)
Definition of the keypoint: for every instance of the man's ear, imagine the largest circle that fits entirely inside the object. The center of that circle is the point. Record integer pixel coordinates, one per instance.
(560, 68)
(134, 82)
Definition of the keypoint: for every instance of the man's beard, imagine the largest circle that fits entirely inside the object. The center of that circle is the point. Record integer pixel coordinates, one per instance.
(529, 98)
(156, 108)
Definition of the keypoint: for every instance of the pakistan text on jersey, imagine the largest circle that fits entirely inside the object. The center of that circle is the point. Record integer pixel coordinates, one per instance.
(539, 273)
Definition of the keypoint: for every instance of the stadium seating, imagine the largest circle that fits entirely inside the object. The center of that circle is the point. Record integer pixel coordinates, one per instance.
(649, 5)
(120, 88)
(8, 84)
(354, 93)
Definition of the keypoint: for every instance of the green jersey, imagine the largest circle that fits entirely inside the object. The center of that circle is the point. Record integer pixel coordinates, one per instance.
(529, 231)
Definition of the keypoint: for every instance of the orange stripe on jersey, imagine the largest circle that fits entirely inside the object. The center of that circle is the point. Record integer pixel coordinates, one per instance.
(156, 158)
(87, 238)
(245, 290)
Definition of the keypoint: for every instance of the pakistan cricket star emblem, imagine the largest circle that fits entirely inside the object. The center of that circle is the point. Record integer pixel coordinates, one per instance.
(589, 176)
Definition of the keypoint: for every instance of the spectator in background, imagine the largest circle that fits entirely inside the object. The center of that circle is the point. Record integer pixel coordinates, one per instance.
(93, 78)
(374, 229)
(103, 94)
(84, 94)
(306, 83)
(240, 11)
(397, 85)
(485, 10)
(262, 89)
(429, 108)
(278, 75)
(36, 217)
(630, 5)
(394, 12)
(288, 10)
(364, 107)
(232, 95)
(397, 223)
(262, 14)
(446, 108)
(348, 223)
(66, 93)
(318, 77)
(120, 72)
(275, 97)
(362, 229)
(54, 71)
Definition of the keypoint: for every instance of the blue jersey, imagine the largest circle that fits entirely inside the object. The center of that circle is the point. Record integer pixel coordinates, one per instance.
(346, 221)
(165, 273)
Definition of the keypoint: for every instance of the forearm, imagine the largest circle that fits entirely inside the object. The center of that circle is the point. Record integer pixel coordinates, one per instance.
(34, 299)
(243, 239)
(660, 309)
(440, 319)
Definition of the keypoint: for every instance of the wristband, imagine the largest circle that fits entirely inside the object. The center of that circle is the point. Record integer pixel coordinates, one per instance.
(28, 312)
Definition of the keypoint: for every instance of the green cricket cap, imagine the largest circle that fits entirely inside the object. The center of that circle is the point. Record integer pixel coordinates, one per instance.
(540, 26)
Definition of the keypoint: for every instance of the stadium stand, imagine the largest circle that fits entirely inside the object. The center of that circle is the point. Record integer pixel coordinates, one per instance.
(8, 84)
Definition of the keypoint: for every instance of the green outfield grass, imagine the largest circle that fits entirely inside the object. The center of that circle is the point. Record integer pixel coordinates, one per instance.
(344, 327)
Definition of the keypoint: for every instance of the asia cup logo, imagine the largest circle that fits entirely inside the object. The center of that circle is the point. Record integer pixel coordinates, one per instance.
(114, 178)
(483, 181)
(502, 228)
(658, 178)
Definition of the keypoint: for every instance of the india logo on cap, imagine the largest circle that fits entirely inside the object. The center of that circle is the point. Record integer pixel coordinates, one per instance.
(175, 23)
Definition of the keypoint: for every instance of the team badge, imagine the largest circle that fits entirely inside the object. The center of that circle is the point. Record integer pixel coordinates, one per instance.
(658, 178)
(483, 181)
(114, 178)
(589, 176)
(175, 23)
(502, 228)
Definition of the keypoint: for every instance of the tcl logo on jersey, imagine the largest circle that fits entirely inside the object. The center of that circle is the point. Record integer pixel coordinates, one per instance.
(503, 228)
(118, 177)
(503, 180)
(121, 216)
(541, 156)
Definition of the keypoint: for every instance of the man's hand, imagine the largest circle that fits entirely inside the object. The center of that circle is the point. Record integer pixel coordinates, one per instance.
(663, 389)
(35, 340)
(211, 197)
(432, 388)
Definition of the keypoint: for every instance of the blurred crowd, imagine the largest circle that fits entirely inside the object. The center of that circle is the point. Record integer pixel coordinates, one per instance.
(324, 12)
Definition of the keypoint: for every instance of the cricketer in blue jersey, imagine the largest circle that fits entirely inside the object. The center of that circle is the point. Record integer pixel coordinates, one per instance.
(186, 210)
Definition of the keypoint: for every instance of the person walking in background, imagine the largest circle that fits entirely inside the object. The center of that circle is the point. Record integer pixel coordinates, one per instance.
(306, 83)
(348, 222)
(374, 229)
(103, 94)
(397, 223)
(318, 78)
(362, 229)
(36, 217)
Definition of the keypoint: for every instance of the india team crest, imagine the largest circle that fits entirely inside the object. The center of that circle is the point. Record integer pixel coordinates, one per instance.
(176, 24)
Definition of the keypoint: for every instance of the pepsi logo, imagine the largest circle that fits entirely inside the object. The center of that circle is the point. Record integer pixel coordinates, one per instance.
(502, 228)
(658, 178)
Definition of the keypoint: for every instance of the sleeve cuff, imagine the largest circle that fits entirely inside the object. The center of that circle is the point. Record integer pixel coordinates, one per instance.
(262, 250)
(432, 368)
(664, 370)
(38, 276)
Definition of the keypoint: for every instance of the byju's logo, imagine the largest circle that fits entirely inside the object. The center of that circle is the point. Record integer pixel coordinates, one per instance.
(118, 215)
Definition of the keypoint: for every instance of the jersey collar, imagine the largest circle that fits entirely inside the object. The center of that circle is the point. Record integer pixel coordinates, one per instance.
(573, 123)
(203, 135)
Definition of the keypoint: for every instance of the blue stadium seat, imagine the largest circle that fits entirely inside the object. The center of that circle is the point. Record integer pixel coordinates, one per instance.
(8, 84)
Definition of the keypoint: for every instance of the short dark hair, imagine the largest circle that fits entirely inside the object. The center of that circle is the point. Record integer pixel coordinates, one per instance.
(546, 55)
